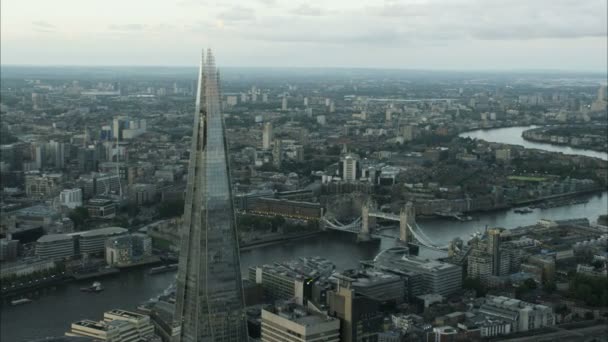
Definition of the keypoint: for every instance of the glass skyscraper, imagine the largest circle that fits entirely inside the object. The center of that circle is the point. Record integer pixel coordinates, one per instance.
(209, 302)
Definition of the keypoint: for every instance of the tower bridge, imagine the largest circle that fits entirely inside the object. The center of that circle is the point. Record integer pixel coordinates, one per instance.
(409, 231)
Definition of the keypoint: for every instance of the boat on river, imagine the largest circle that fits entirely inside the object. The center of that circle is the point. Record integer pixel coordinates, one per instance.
(523, 211)
(20, 301)
(96, 287)
(162, 269)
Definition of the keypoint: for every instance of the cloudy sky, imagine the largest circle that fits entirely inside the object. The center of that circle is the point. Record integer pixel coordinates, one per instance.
(409, 34)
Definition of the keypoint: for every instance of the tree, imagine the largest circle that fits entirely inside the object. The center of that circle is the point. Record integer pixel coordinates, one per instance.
(474, 284)
(549, 287)
(79, 215)
(530, 284)
(171, 209)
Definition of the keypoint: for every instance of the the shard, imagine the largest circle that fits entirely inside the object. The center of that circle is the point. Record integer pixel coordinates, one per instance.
(209, 298)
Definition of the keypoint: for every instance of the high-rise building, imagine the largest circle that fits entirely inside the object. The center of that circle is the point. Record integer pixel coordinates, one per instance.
(277, 153)
(284, 103)
(57, 153)
(494, 249)
(267, 135)
(349, 167)
(360, 319)
(209, 298)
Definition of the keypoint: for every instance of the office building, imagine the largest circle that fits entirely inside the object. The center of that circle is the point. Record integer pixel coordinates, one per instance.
(55, 246)
(284, 103)
(523, 316)
(277, 153)
(286, 280)
(41, 186)
(360, 318)
(209, 298)
(350, 167)
(71, 198)
(101, 208)
(93, 241)
(98, 331)
(437, 277)
(267, 136)
(100, 184)
(289, 322)
(494, 249)
(88, 158)
(141, 323)
(8, 249)
(377, 285)
(117, 326)
(408, 132)
(128, 249)
(57, 153)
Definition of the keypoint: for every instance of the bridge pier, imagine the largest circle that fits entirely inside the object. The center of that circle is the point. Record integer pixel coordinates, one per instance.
(407, 217)
(366, 222)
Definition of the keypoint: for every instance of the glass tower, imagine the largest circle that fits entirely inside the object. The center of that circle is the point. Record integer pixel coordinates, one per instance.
(209, 299)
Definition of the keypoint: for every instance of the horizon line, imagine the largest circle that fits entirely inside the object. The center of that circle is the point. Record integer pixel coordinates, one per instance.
(309, 67)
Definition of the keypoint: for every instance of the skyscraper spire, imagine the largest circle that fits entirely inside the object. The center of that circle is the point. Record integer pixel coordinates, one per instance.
(209, 299)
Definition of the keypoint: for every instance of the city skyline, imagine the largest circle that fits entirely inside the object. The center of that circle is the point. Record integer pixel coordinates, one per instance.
(463, 35)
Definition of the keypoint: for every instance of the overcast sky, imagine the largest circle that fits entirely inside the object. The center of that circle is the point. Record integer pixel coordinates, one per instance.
(409, 34)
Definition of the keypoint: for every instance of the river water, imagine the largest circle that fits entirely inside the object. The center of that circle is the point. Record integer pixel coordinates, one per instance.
(512, 135)
(52, 313)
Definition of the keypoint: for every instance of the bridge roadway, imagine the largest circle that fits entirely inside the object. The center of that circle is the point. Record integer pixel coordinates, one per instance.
(355, 228)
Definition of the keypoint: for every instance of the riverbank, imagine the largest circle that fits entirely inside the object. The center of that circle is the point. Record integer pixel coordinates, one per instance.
(592, 137)
(278, 240)
(513, 136)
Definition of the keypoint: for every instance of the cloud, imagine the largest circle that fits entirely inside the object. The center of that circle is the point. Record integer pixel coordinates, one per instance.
(495, 20)
(237, 13)
(127, 27)
(308, 10)
(43, 26)
(268, 2)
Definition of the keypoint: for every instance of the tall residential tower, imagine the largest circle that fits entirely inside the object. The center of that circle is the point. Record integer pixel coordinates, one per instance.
(209, 302)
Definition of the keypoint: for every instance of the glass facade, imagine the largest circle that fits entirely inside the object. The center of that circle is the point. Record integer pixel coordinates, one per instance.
(209, 303)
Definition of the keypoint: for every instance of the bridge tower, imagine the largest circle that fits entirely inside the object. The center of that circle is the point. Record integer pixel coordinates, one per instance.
(366, 221)
(407, 217)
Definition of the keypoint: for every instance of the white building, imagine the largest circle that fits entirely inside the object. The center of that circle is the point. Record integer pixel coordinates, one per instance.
(55, 246)
(349, 167)
(71, 198)
(142, 323)
(523, 316)
(291, 322)
(117, 326)
(267, 136)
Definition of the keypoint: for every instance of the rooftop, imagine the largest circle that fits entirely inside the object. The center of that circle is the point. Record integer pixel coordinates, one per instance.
(54, 237)
(301, 268)
(299, 314)
(101, 232)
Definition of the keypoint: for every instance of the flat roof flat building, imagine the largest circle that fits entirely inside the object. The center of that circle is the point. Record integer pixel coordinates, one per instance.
(286, 280)
(55, 246)
(94, 241)
(438, 277)
(293, 323)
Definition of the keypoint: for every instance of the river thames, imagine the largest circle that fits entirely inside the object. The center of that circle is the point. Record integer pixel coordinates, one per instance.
(512, 135)
(52, 313)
